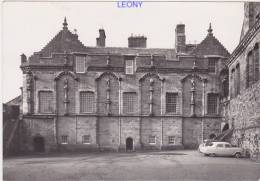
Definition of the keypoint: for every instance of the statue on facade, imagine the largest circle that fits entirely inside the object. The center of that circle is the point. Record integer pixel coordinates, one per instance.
(66, 101)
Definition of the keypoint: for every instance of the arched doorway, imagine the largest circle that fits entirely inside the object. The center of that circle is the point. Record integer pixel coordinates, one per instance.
(212, 136)
(225, 127)
(129, 144)
(39, 144)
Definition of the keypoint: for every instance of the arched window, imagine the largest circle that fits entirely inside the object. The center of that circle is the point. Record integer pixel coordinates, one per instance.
(237, 79)
(249, 69)
(256, 63)
(233, 83)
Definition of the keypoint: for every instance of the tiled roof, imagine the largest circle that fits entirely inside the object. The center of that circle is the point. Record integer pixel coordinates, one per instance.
(168, 53)
(15, 101)
(63, 41)
(210, 46)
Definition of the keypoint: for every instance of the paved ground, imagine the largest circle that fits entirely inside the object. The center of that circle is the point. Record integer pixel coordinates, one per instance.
(171, 165)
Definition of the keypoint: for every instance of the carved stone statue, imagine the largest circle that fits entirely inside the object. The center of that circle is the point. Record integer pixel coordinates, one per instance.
(66, 101)
(66, 89)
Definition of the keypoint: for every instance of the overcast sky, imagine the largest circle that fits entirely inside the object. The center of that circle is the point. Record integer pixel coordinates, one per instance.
(29, 26)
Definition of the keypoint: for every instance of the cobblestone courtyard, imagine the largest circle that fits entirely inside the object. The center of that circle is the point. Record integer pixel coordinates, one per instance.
(171, 165)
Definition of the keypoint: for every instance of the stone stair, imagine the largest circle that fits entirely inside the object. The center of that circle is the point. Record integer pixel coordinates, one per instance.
(224, 136)
(9, 132)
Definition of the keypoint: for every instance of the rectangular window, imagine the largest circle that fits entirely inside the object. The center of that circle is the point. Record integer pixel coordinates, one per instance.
(64, 139)
(80, 64)
(129, 102)
(45, 102)
(86, 102)
(152, 140)
(86, 139)
(220, 145)
(212, 64)
(129, 67)
(171, 102)
(171, 140)
(212, 103)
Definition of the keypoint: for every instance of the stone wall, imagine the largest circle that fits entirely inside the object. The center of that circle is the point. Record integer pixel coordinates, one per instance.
(244, 115)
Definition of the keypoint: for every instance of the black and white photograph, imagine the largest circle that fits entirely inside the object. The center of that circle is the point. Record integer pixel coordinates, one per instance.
(132, 90)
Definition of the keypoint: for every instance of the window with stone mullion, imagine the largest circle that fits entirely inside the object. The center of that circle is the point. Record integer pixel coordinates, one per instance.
(212, 103)
(86, 102)
(129, 102)
(45, 102)
(80, 64)
(171, 102)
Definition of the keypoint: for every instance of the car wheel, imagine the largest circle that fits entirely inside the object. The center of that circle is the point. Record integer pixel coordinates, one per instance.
(238, 155)
(213, 154)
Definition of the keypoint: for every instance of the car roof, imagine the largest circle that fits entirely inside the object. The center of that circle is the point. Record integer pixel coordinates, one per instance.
(221, 142)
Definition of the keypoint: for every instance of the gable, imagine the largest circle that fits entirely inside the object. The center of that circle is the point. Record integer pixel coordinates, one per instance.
(64, 41)
(210, 46)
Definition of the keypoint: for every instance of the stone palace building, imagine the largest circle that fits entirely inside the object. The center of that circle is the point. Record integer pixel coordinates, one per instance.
(122, 98)
(76, 97)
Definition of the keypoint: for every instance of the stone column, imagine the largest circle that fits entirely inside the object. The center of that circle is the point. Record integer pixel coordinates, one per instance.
(120, 110)
(66, 100)
(162, 110)
(151, 97)
(108, 101)
(192, 103)
(140, 111)
(203, 107)
(97, 112)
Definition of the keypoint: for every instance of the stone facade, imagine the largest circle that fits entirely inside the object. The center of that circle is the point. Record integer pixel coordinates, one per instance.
(149, 125)
(243, 109)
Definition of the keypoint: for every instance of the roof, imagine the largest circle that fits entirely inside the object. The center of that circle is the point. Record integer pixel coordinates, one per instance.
(168, 53)
(64, 41)
(15, 101)
(210, 46)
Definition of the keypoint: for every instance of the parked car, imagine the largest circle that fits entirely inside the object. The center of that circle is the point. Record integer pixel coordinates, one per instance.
(206, 142)
(221, 149)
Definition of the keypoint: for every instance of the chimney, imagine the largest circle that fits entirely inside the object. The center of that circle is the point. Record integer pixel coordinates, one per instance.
(23, 58)
(137, 42)
(180, 38)
(101, 40)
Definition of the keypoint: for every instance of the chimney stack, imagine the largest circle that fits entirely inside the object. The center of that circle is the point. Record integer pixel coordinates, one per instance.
(23, 58)
(101, 40)
(180, 38)
(137, 42)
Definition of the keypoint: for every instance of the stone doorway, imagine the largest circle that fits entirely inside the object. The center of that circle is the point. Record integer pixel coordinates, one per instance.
(39, 144)
(225, 127)
(129, 144)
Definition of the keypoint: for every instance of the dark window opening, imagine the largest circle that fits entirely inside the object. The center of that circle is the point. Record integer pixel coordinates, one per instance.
(39, 144)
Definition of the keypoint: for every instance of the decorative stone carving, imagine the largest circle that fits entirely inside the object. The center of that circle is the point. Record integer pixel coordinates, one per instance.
(151, 97)
(66, 100)
(108, 101)
(192, 102)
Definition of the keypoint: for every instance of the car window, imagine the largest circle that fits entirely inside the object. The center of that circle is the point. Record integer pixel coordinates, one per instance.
(228, 146)
(209, 144)
(219, 145)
